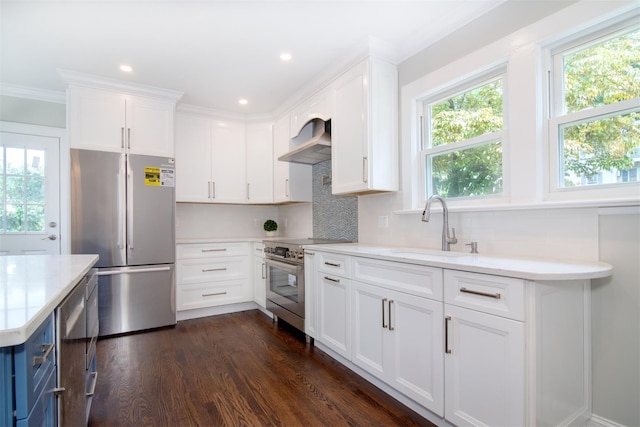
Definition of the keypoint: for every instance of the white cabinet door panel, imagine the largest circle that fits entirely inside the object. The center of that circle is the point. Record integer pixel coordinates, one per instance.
(484, 370)
(193, 159)
(228, 164)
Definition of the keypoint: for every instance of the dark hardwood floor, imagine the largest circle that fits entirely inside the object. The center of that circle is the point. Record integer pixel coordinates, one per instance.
(237, 369)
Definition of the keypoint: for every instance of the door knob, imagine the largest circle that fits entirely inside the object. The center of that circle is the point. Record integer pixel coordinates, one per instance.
(50, 237)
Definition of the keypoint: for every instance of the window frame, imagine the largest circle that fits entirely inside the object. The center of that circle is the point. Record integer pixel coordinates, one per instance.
(559, 119)
(450, 89)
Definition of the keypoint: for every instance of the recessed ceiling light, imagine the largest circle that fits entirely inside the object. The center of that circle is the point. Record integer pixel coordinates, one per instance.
(284, 56)
(126, 68)
(243, 101)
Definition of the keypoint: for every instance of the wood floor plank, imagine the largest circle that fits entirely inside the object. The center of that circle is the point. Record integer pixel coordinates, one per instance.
(236, 369)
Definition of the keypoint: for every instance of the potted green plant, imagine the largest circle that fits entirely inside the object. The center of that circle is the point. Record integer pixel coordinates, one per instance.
(270, 226)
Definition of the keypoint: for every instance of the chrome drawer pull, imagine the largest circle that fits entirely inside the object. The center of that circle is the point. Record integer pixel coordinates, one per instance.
(214, 250)
(205, 270)
(391, 328)
(482, 294)
(214, 294)
(331, 279)
(46, 348)
(93, 386)
(331, 264)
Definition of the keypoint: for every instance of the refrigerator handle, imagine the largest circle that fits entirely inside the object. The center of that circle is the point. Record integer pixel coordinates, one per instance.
(131, 271)
(129, 212)
(121, 189)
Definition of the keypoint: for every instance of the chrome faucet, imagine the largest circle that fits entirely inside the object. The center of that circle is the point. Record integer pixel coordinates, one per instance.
(446, 238)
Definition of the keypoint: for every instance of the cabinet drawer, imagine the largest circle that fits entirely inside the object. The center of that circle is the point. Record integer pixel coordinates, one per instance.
(334, 264)
(258, 250)
(501, 296)
(44, 407)
(414, 279)
(210, 294)
(208, 250)
(34, 362)
(208, 270)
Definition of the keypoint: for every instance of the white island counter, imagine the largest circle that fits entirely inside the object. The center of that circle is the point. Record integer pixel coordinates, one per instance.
(31, 287)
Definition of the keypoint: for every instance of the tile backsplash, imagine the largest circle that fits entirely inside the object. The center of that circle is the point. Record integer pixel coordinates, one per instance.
(334, 217)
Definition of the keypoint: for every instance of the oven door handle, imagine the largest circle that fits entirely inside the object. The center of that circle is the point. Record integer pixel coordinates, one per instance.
(284, 265)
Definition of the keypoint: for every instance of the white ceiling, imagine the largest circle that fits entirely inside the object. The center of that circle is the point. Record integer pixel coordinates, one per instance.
(215, 51)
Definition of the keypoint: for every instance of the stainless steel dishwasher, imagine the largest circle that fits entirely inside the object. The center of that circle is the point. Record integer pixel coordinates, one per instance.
(71, 336)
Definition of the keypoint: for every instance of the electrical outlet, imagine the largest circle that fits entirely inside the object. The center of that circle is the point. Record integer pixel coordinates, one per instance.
(286, 222)
(383, 221)
(255, 222)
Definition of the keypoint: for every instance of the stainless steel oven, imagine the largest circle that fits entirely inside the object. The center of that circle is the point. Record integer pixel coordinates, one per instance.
(285, 278)
(285, 290)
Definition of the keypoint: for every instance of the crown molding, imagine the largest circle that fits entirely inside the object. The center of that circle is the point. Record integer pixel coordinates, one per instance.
(93, 81)
(45, 95)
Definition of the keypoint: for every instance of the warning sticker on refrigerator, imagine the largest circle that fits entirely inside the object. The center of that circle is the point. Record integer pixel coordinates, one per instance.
(159, 177)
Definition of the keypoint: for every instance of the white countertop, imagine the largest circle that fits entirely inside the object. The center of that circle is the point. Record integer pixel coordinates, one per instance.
(31, 287)
(523, 268)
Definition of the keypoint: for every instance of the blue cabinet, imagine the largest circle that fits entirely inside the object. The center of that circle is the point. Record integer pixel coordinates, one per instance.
(28, 380)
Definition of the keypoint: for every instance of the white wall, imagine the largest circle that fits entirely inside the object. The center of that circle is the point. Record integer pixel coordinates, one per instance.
(33, 112)
(195, 220)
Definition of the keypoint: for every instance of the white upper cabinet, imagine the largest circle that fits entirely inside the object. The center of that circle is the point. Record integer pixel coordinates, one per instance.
(228, 162)
(364, 129)
(107, 120)
(319, 106)
(193, 158)
(259, 163)
(210, 160)
(291, 181)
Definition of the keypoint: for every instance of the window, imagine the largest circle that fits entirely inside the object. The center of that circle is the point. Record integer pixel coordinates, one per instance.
(462, 148)
(22, 193)
(595, 111)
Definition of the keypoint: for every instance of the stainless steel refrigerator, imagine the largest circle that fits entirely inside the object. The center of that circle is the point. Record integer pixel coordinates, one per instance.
(123, 209)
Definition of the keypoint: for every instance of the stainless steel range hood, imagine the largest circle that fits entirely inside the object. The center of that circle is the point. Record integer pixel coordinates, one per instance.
(315, 150)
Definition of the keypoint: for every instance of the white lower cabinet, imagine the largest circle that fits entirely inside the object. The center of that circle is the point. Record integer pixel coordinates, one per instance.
(259, 275)
(484, 369)
(213, 274)
(310, 294)
(397, 337)
(334, 314)
(484, 349)
(473, 349)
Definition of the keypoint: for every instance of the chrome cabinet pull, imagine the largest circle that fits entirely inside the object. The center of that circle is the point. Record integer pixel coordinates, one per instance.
(208, 189)
(213, 189)
(365, 168)
(205, 270)
(214, 294)
(331, 264)
(446, 335)
(214, 250)
(482, 294)
(384, 325)
(264, 270)
(46, 349)
(332, 280)
(121, 137)
(93, 386)
(391, 328)
(248, 192)
(128, 138)
(286, 187)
